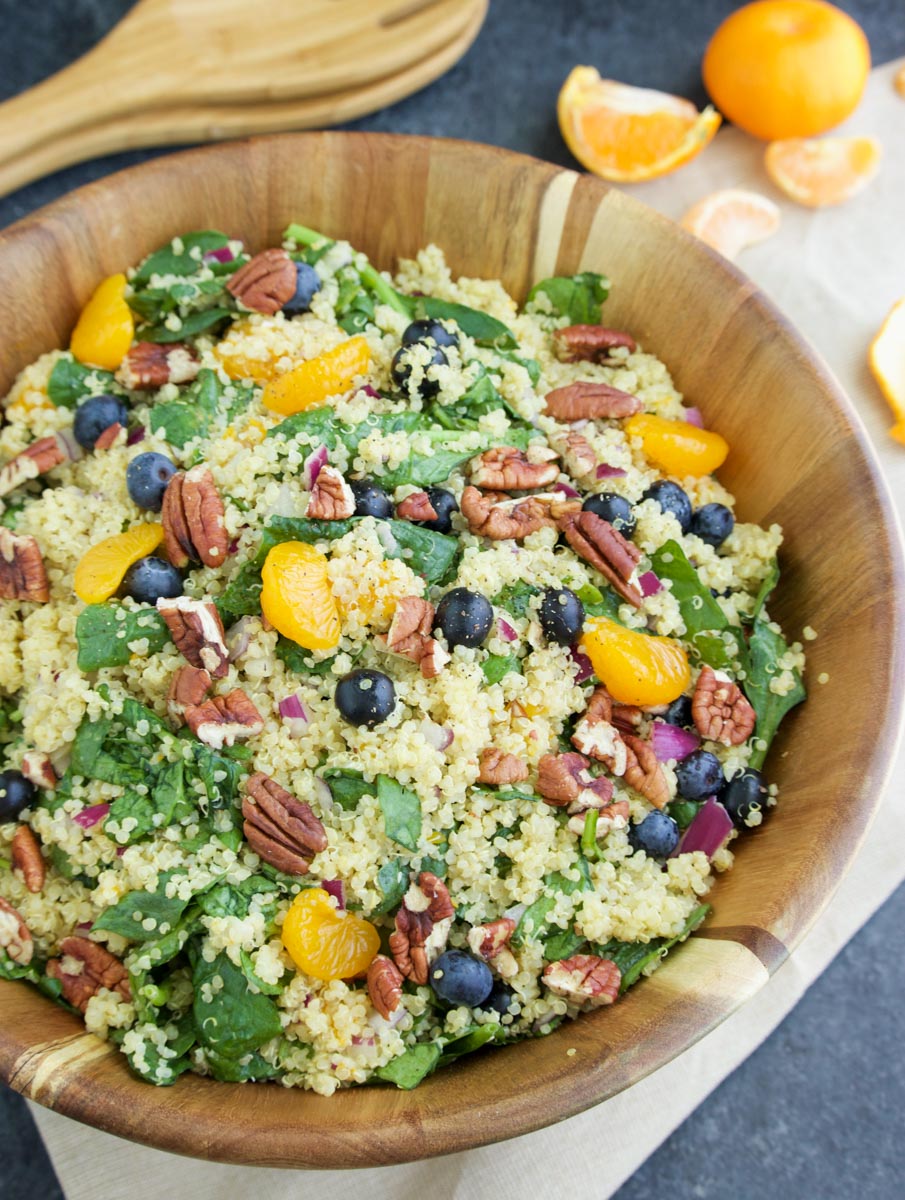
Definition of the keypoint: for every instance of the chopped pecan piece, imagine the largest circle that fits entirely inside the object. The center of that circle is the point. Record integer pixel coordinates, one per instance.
(721, 713)
(84, 968)
(22, 574)
(265, 282)
(150, 365)
(193, 520)
(416, 507)
(577, 456)
(37, 459)
(609, 816)
(331, 497)
(597, 736)
(111, 435)
(590, 343)
(590, 401)
(604, 547)
(198, 632)
(564, 779)
(643, 772)
(409, 636)
(508, 469)
(26, 855)
(220, 720)
(433, 660)
(38, 769)
(584, 979)
(188, 688)
(498, 768)
(495, 516)
(491, 942)
(281, 830)
(384, 985)
(422, 927)
(15, 937)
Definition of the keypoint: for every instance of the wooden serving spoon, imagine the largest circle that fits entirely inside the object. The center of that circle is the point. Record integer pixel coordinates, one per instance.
(178, 55)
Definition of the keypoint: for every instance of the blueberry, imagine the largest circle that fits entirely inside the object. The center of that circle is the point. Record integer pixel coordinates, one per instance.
(424, 331)
(500, 999)
(147, 476)
(657, 835)
(744, 794)
(402, 368)
(699, 775)
(96, 415)
(713, 523)
(459, 978)
(613, 508)
(672, 499)
(679, 713)
(307, 282)
(16, 793)
(152, 579)
(465, 617)
(444, 504)
(370, 499)
(365, 697)
(561, 615)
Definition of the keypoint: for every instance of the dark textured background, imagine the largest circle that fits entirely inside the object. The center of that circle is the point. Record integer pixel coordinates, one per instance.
(817, 1110)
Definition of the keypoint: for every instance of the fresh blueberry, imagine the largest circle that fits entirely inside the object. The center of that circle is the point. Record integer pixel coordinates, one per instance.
(561, 616)
(465, 617)
(16, 793)
(672, 499)
(307, 282)
(500, 999)
(365, 697)
(657, 835)
(428, 331)
(679, 713)
(459, 978)
(370, 499)
(402, 368)
(613, 508)
(713, 523)
(147, 476)
(152, 579)
(95, 415)
(444, 504)
(699, 775)
(744, 794)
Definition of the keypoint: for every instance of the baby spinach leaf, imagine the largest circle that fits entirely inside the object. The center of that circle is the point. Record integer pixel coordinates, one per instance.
(230, 1018)
(515, 598)
(599, 602)
(69, 382)
(234, 899)
(401, 810)
(484, 329)
(190, 325)
(497, 666)
(563, 944)
(698, 608)
(104, 633)
(128, 915)
(534, 918)
(218, 773)
(298, 659)
(242, 595)
(413, 1065)
(531, 365)
(711, 648)
(163, 949)
(242, 1069)
(425, 470)
(393, 881)
(182, 261)
(204, 405)
(577, 297)
(322, 425)
(632, 957)
(683, 812)
(771, 579)
(152, 1064)
(473, 1038)
(765, 648)
(268, 989)
(347, 787)
(138, 810)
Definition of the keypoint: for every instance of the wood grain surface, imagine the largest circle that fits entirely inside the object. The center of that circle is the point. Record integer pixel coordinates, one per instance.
(799, 457)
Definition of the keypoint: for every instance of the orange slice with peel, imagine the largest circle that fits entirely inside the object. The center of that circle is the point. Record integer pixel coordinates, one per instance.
(732, 219)
(817, 172)
(629, 134)
(886, 358)
(101, 569)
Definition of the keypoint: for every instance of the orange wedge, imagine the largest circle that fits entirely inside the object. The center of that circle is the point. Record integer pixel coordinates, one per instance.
(817, 172)
(886, 358)
(629, 134)
(731, 220)
(101, 569)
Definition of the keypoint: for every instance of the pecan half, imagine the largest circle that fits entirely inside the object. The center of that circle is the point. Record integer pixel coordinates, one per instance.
(610, 816)
(494, 516)
(491, 942)
(331, 497)
(416, 507)
(22, 574)
(597, 542)
(281, 830)
(590, 343)
(25, 851)
(721, 713)
(84, 968)
(410, 637)
(590, 401)
(584, 979)
(643, 772)
(38, 769)
(564, 779)
(499, 768)
(384, 985)
(507, 469)
(197, 631)
(149, 365)
(265, 282)
(576, 453)
(37, 459)
(193, 520)
(15, 937)
(219, 720)
(112, 434)
(422, 927)
(188, 688)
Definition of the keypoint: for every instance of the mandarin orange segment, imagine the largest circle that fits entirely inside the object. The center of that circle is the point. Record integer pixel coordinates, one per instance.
(101, 569)
(732, 219)
(886, 358)
(677, 447)
(326, 942)
(314, 381)
(296, 597)
(104, 331)
(818, 172)
(634, 667)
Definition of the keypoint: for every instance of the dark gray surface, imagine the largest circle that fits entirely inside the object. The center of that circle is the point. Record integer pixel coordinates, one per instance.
(817, 1111)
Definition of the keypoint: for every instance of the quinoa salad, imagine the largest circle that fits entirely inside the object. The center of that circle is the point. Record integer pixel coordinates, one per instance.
(384, 671)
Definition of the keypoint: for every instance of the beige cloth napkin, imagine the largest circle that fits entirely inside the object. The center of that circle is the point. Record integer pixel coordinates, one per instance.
(835, 273)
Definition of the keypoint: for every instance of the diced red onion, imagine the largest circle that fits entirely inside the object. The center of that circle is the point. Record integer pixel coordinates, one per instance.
(90, 816)
(515, 913)
(358, 1040)
(507, 633)
(605, 471)
(120, 851)
(293, 708)
(61, 760)
(566, 490)
(585, 666)
(580, 424)
(324, 795)
(707, 832)
(439, 736)
(83, 926)
(693, 417)
(378, 1023)
(370, 391)
(68, 444)
(239, 638)
(337, 889)
(233, 546)
(311, 467)
(136, 435)
(649, 584)
(671, 741)
(222, 254)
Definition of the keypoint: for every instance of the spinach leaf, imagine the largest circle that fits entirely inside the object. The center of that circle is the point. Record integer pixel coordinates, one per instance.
(484, 329)
(243, 1069)
(163, 1066)
(474, 1037)
(531, 365)
(401, 812)
(219, 775)
(413, 1065)
(597, 603)
(515, 598)
(683, 812)
(104, 633)
(534, 918)
(234, 899)
(137, 810)
(268, 989)
(771, 579)
(632, 957)
(347, 787)
(128, 915)
(497, 666)
(765, 648)
(563, 944)
(189, 326)
(577, 297)
(170, 261)
(230, 1019)
(712, 648)
(322, 425)
(242, 595)
(69, 382)
(698, 608)
(425, 470)
(299, 660)
(393, 881)
(163, 949)
(204, 405)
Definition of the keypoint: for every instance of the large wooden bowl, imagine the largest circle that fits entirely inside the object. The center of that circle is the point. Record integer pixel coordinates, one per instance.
(799, 456)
